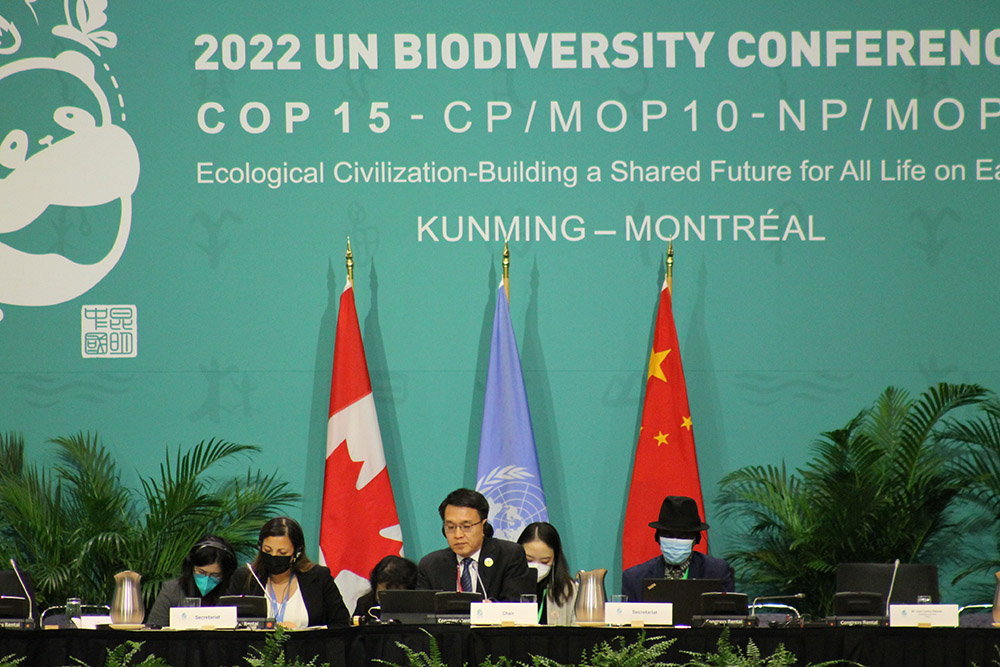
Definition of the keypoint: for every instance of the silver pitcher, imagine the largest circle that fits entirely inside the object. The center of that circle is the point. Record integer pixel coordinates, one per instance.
(590, 600)
(126, 606)
(996, 604)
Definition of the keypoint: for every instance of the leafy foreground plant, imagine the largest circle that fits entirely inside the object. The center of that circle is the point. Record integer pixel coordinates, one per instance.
(634, 654)
(879, 488)
(10, 661)
(73, 525)
(429, 658)
(121, 656)
(728, 655)
(273, 654)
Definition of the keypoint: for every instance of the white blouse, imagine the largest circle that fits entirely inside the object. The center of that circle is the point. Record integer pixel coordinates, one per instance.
(293, 610)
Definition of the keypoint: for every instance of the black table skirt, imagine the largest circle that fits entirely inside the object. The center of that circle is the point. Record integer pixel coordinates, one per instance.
(356, 647)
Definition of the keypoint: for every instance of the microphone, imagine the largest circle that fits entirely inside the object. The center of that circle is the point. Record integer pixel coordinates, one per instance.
(892, 582)
(29, 623)
(482, 585)
(767, 598)
(268, 623)
(254, 575)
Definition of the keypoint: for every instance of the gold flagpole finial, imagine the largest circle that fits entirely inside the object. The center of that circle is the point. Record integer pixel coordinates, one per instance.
(670, 267)
(506, 269)
(350, 262)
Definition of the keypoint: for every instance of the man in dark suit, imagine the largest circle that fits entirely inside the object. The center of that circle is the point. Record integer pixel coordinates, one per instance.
(475, 561)
(678, 529)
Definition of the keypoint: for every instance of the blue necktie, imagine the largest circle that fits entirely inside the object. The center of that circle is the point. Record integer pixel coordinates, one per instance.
(467, 576)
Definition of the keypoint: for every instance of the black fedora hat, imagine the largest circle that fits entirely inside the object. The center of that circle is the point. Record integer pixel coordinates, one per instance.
(679, 514)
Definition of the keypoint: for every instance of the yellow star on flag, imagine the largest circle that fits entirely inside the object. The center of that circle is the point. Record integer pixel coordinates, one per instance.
(686, 423)
(655, 359)
(661, 438)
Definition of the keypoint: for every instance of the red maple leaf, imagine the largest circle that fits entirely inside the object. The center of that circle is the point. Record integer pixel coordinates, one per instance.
(352, 518)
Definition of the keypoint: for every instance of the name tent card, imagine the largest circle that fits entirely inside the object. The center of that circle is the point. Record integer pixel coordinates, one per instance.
(923, 615)
(500, 613)
(199, 618)
(647, 613)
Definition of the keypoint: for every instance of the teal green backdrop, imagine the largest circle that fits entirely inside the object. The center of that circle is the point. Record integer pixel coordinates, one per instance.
(827, 172)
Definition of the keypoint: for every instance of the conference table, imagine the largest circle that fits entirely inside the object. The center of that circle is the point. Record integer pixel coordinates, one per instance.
(464, 645)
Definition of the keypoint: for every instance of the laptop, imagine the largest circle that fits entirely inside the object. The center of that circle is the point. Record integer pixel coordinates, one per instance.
(454, 606)
(250, 609)
(420, 607)
(684, 594)
(912, 580)
(406, 606)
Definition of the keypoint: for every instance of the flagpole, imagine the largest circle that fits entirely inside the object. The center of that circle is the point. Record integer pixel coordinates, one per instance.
(506, 269)
(350, 262)
(670, 267)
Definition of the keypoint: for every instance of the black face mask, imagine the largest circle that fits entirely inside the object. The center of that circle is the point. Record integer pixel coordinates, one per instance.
(273, 565)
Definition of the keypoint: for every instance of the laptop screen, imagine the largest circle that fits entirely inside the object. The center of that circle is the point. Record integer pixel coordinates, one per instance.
(912, 580)
(407, 606)
(685, 594)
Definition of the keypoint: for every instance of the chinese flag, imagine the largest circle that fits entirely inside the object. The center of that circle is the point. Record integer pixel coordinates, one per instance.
(359, 525)
(665, 459)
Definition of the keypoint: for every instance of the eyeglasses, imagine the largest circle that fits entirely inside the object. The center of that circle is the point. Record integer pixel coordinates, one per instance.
(214, 575)
(452, 528)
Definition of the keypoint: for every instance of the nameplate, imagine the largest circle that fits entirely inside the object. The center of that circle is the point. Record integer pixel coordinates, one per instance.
(91, 622)
(647, 613)
(503, 613)
(198, 618)
(923, 615)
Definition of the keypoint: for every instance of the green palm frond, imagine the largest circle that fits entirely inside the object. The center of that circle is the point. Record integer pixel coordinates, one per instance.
(73, 525)
(879, 488)
(975, 444)
(11, 455)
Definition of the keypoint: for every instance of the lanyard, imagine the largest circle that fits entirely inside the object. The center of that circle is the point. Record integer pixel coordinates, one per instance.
(541, 605)
(279, 610)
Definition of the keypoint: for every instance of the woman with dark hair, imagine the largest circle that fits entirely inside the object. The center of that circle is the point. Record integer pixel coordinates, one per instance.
(299, 593)
(391, 573)
(205, 574)
(556, 592)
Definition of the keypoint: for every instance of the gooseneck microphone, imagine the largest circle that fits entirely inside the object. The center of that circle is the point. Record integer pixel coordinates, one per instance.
(892, 582)
(29, 623)
(254, 575)
(482, 585)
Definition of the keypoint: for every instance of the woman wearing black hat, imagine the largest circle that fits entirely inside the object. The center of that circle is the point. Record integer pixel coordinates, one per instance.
(678, 529)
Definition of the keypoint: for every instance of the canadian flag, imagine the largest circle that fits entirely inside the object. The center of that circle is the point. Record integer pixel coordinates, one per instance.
(359, 525)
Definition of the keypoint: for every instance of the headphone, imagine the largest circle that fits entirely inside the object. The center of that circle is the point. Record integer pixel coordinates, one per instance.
(295, 556)
(225, 551)
(210, 542)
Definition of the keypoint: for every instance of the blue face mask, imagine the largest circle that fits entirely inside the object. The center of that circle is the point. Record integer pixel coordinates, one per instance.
(205, 583)
(675, 551)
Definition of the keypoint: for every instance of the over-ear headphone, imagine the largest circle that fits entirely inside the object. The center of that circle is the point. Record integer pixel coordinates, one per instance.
(212, 542)
(297, 555)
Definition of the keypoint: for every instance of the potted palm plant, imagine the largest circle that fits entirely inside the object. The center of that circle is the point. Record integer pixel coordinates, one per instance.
(73, 524)
(878, 489)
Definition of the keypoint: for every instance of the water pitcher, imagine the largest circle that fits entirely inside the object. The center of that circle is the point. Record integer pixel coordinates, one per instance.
(590, 600)
(996, 603)
(126, 606)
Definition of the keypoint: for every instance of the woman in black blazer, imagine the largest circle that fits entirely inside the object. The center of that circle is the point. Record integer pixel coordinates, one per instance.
(299, 593)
